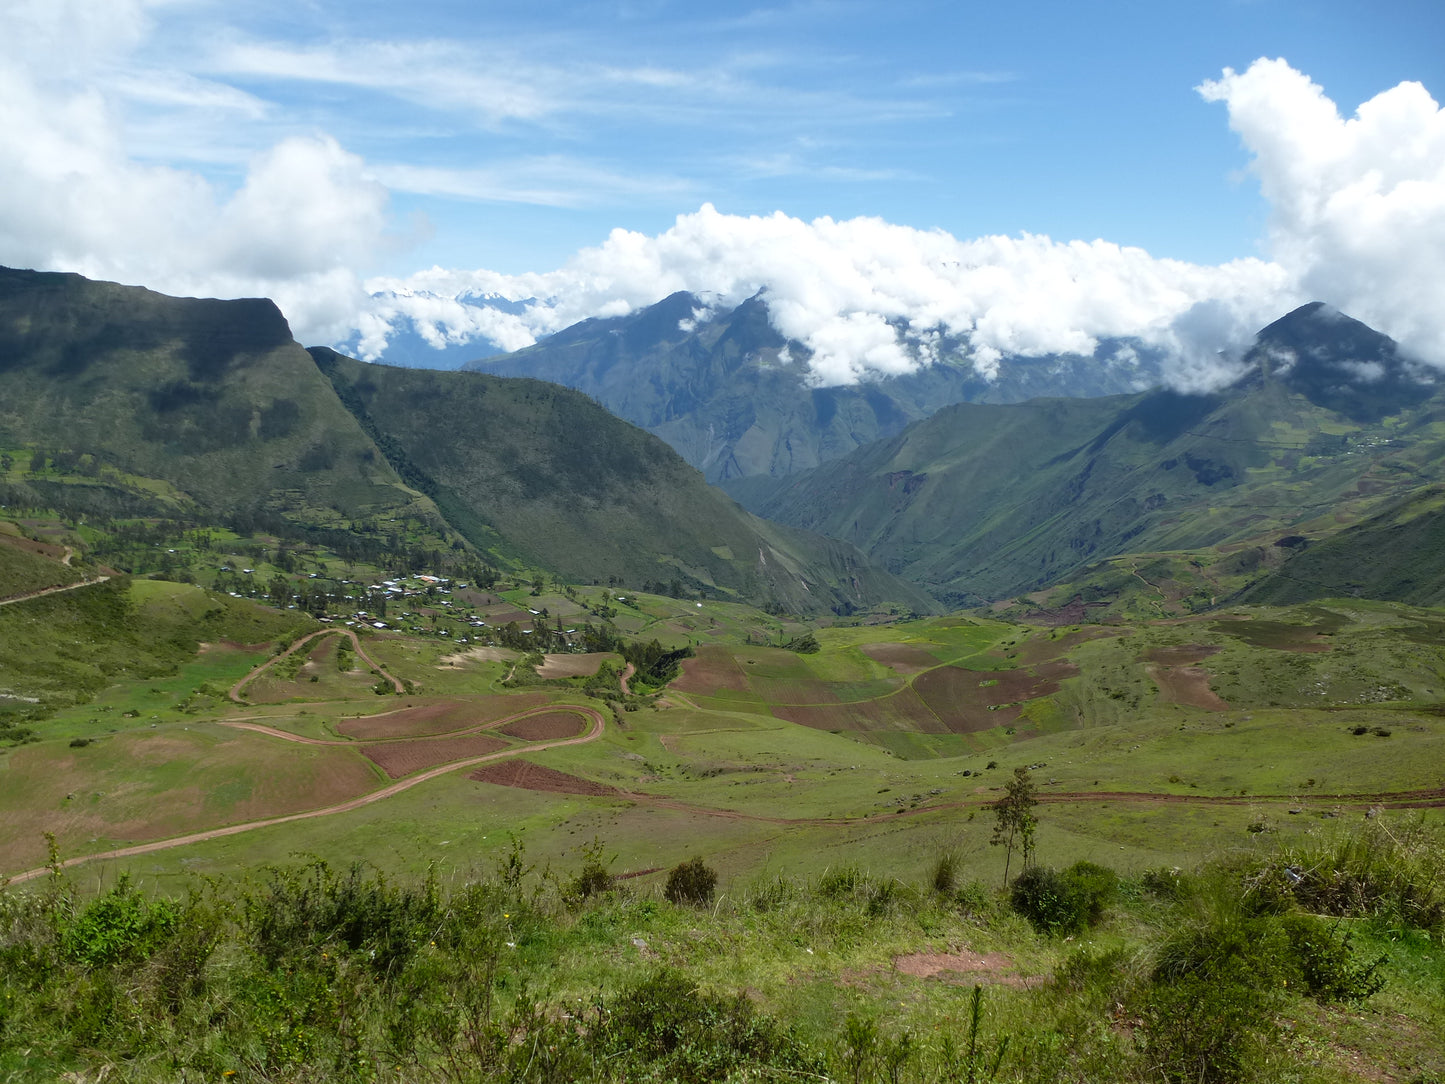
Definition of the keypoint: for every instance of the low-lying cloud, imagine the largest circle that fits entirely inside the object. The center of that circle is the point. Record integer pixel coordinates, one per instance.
(1357, 220)
(866, 297)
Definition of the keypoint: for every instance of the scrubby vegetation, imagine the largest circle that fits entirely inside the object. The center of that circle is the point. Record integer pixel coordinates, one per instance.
(307, 972)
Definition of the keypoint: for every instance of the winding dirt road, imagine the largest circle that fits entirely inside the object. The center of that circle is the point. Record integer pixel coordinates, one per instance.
(28, 595)
(396, 684)
(344, 807)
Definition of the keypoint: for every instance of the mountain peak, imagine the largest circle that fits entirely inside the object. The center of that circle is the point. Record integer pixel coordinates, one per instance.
(1337, 362)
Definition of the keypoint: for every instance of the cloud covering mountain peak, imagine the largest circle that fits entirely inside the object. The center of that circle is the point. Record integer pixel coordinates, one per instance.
(1358, 218)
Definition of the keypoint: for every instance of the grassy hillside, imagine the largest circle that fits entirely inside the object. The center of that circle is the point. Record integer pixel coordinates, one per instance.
(981, 503)
(1238, 785)
(1398, 554)
(574, 489)
(213, 397)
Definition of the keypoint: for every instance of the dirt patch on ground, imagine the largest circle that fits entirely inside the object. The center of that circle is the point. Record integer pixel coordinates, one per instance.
(529, 776)
(1042, 648)
(549, 727)
(904, 658)
(1187, 685)
(404, 757)
(439, 717)
(964, 967)
(972, 700)
(29, 545)
(712, 669)
(566, 666)
(480, 654)
(903, 710)
(1181, 654)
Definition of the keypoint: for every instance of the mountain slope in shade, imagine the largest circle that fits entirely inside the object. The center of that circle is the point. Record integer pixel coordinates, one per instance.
(1397, 555)
(574, 489)
(984, 502)
(214, 397)
(733, 397)
(209, 410)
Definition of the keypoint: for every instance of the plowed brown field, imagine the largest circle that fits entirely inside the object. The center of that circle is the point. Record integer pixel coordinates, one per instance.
(529, 776)
(404, 757)
(548, 727)
(439, 717)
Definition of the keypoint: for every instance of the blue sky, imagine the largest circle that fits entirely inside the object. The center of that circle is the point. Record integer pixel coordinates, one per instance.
(177, 143)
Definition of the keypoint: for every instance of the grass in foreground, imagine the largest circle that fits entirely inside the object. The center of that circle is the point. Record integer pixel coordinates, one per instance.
(1316, 964)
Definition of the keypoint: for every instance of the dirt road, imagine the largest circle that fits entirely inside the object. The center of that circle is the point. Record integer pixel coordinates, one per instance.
(235, 693)
(344, 807)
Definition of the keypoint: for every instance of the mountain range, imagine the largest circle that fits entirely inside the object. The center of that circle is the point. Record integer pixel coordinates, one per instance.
(1328, 427)
(195, 408)
(1315, 468)
(735, 398)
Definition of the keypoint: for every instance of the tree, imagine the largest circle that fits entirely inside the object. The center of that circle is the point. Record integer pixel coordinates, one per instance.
(1015, 823)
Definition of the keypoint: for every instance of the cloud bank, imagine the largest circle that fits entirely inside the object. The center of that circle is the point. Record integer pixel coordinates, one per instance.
(1357, 220)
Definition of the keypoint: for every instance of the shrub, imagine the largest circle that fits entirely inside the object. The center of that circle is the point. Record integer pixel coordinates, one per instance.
(1059, 903)
(1322, 957)
(667, 1025)
(592, 879)
(945, 872)
(1212, 994)
(691, 882)
(121, 926)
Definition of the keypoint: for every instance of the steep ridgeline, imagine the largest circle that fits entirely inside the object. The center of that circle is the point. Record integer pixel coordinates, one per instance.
(213, 397)
(985, 502)
(730, 394)
(209, 411)
(566, 485)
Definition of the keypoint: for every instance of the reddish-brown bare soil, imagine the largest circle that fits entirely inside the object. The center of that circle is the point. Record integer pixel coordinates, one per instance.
(972, 700)
(29, 545)
(439, 717)
(1182, 654)
(1041, 648)
(1187, 685)
(903, 710)
(548, 727)
(529, 776)
(404, 757)
(712, 669)
(963, 966)
(904, 658)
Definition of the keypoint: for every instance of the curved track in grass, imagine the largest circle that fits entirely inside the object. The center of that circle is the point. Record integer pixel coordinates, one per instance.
(593, 733)
(396, 684)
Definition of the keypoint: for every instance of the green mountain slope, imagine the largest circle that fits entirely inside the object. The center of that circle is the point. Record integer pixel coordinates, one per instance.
(732, 396)
(208, 410)
(984, 502)
(572, 488)
(213, 397)
(1397, 555)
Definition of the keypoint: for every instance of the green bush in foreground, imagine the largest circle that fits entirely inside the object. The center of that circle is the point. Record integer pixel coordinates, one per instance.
(307, 973)
(691, 882)
(1067, 902)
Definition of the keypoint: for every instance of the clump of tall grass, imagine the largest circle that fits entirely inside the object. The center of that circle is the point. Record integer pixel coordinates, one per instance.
(1392, 870)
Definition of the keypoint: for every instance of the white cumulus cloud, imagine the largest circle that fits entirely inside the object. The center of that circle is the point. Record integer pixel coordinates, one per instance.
(1357, 204)
(870, 298)
(76, 198)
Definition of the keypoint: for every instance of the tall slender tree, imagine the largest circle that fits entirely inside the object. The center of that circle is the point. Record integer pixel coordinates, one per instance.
(1015, 821)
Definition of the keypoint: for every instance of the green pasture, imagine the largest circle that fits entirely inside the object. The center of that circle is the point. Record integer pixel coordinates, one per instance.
(722, 775)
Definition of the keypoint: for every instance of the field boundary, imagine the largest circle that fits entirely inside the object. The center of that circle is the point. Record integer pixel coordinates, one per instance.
(343, 807)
